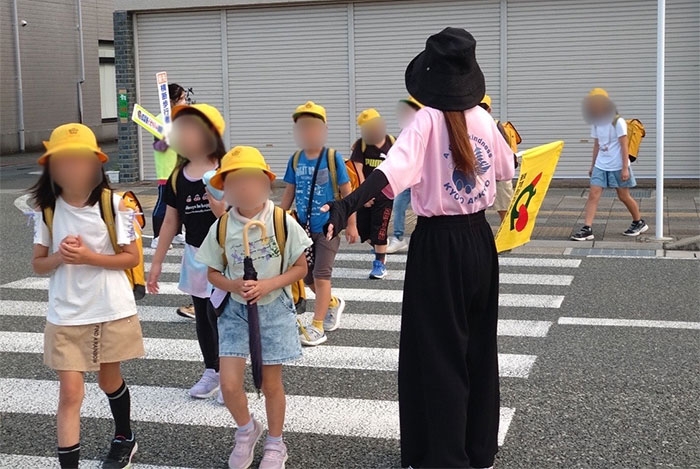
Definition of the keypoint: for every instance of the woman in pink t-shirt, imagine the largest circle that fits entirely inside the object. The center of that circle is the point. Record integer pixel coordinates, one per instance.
(451, 157)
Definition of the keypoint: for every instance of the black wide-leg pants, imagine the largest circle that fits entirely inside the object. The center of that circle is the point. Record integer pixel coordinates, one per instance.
(449, 397)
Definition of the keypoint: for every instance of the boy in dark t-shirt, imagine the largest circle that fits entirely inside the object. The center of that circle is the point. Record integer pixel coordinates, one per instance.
(367, 154)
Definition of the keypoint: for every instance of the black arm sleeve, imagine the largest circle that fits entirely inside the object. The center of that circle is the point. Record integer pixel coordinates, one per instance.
(342, 209)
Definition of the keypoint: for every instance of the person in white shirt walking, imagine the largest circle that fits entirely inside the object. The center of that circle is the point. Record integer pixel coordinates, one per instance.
(610, 167)
(91, 324)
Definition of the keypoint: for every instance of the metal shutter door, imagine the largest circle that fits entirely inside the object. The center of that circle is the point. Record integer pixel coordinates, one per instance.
(389, 34)
(279, 58)
(682, 145)
(558, 51)
(187, 45)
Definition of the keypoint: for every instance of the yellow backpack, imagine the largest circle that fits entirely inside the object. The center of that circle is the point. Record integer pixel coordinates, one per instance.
(512, 136)
(136, 275)
(635, 133)
(280, 223)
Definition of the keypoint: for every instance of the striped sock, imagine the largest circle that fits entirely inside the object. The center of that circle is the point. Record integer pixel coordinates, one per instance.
(69, 456)
(120, 404)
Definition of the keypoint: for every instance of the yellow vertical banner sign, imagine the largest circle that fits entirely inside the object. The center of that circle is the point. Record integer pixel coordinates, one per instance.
(536, 172)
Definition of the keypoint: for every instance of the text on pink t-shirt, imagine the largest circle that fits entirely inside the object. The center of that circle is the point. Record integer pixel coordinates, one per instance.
(421, 160)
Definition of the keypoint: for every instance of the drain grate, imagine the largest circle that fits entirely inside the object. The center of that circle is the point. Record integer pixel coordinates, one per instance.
(590, 252)
(636, 193)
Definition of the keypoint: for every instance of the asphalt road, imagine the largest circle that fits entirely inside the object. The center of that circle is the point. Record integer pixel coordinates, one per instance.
(577, 392)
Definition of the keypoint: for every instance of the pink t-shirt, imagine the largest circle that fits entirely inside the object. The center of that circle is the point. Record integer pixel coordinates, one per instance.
(421, 160)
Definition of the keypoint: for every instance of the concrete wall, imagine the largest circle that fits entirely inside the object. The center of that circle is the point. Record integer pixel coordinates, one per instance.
(50, 58)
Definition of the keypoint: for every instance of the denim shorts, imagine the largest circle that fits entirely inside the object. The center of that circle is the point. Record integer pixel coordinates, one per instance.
(612, 179)
(278, 331)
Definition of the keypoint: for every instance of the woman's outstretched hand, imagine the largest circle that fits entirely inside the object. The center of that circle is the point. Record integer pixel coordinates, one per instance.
(338, 220)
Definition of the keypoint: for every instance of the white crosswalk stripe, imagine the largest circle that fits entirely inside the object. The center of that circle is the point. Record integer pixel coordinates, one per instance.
(341, 417)
(528, 286)
(349, 294)
(330, 356)
(375, 322)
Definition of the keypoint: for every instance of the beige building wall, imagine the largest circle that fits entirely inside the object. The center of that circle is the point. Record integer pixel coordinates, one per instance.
(50, 57)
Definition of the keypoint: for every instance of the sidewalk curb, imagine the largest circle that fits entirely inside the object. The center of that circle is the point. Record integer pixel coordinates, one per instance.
(685, 244)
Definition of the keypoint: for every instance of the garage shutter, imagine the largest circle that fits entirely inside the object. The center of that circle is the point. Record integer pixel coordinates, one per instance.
(188, 46)
(389, 34)
(682, 145)
(558, 51)
(279, 58)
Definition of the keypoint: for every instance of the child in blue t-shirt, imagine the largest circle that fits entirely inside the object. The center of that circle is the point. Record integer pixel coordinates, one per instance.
(311, 184)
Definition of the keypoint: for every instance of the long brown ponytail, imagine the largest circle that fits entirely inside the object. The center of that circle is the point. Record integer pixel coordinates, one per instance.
(462, 151)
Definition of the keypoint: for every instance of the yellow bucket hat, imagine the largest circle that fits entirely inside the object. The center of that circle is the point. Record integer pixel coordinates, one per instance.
(209, 112)
(240, 158)
(367, 116)
(598, 92)
(486, 100)
(72, 137)
(311, 108)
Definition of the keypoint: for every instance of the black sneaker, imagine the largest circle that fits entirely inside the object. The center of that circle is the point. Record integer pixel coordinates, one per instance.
(584, 234)
(636, 228)
(120, 454)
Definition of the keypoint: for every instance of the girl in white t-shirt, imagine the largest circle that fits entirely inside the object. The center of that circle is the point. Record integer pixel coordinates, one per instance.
(91, 320)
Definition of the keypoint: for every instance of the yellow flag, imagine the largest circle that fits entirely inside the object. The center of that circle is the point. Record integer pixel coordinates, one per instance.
(536, 172)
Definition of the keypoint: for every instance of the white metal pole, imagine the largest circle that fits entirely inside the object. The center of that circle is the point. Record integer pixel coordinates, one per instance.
(660, 85)
(81, 80)
(20, 92)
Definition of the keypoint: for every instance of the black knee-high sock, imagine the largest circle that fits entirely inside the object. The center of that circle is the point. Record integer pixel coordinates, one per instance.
(120, 403)
(69, 456)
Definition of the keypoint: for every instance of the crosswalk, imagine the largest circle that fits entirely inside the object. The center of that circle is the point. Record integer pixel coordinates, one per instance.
(351, 379)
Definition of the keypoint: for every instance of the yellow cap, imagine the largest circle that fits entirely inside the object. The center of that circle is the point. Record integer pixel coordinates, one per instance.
(367, 116)
(411, 101)
(311, 108)
(72, 137)
(598, 92)
(240, 158)
(486, 100)
(209, 112)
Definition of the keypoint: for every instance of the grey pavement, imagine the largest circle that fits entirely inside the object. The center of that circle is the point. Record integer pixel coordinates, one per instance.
(587, 394)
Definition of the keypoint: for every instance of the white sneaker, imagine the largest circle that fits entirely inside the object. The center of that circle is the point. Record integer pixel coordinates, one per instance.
(332, 321)
(244, 449)
(275, 456)
(179, 239)
(220, 398)
(207, 386)
(397, 245)
(313, 336)
(154, 243)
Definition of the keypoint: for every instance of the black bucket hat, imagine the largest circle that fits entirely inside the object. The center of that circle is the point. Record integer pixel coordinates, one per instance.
(446, 75)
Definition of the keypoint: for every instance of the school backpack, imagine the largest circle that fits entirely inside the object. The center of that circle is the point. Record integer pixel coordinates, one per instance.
(512, 136)
(635, 133)
(352, 169)
(280, 223)
(136, 275)
(332, 170)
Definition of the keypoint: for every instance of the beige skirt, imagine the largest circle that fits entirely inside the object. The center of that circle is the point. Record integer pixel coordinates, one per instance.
(84, 348)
